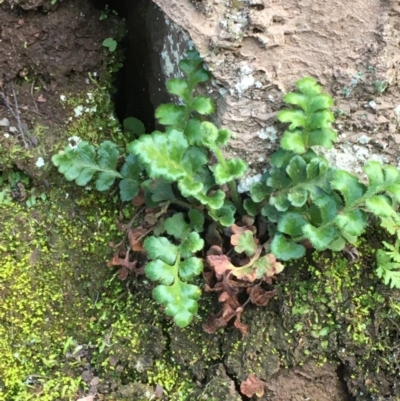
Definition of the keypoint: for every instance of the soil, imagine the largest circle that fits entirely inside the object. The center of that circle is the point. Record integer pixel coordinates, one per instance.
(45, 54)
(47, 51)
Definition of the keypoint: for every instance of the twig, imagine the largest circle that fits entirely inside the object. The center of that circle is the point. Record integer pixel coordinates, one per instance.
(144, 235)
(37, 110)
(128, 226)
(16, 115)
(15, 112)
(31, 111)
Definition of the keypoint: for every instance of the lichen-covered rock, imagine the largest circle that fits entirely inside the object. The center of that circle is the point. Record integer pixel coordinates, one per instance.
(29, 4)
(256, 50)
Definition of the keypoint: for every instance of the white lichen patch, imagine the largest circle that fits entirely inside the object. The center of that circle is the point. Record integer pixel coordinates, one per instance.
(40, 162)
(74, 141)
(246, 182)
(233, 25)
(246, 80)
(174, 50)
(78, 110)
(351, 157)
(364, 139)
(270, 133)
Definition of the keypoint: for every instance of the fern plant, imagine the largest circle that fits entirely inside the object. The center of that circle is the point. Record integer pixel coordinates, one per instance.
(388, 257)
(81, 163)
(307, 200)
(175, 159)
(181, 154)
(174, 266)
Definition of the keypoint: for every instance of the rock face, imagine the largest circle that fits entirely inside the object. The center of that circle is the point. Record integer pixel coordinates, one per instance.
(257, 49)
(30, 4)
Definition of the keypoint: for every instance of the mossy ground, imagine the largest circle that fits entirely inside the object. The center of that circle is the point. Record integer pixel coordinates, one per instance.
(63, 309)
(49, 278)
(335, 308)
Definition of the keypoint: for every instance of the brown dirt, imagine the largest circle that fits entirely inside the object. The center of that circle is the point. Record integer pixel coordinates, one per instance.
(44, 54)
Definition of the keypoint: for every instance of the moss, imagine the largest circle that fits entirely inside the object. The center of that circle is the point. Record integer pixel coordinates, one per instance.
(192, 348)
(91, 115)
(338, 310)
(60, 297)
(133, 346)
(48, 277)
(259, 352)
(61, 300)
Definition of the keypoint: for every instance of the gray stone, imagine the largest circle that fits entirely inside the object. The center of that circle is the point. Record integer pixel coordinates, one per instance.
(4, 122)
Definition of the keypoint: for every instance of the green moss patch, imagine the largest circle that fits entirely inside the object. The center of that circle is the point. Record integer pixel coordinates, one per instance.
(335, 308)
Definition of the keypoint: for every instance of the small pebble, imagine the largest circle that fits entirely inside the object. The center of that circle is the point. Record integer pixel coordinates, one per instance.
(4, 122)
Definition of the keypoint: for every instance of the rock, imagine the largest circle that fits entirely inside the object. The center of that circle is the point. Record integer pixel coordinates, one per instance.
(29, 4)
(4, 122)
(219, 387)
(256, 52)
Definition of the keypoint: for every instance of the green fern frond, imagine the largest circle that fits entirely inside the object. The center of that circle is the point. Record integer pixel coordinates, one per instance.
(310, 122)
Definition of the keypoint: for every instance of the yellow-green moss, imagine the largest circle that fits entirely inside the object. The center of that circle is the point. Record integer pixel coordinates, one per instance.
(50, 264)
(91, 115)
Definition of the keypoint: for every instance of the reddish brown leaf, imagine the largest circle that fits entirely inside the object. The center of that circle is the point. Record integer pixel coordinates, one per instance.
(123, 273)
(215, 250)
(41, 99)
(136, 238)
(230, 308)
(249, 222)
(242, 327)
(236, 237)
(274, 266)
(126, 264)
(259, 296)
(252, 385)
(224, 296)
(237, 232)
(220, 263)
(219, 320)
